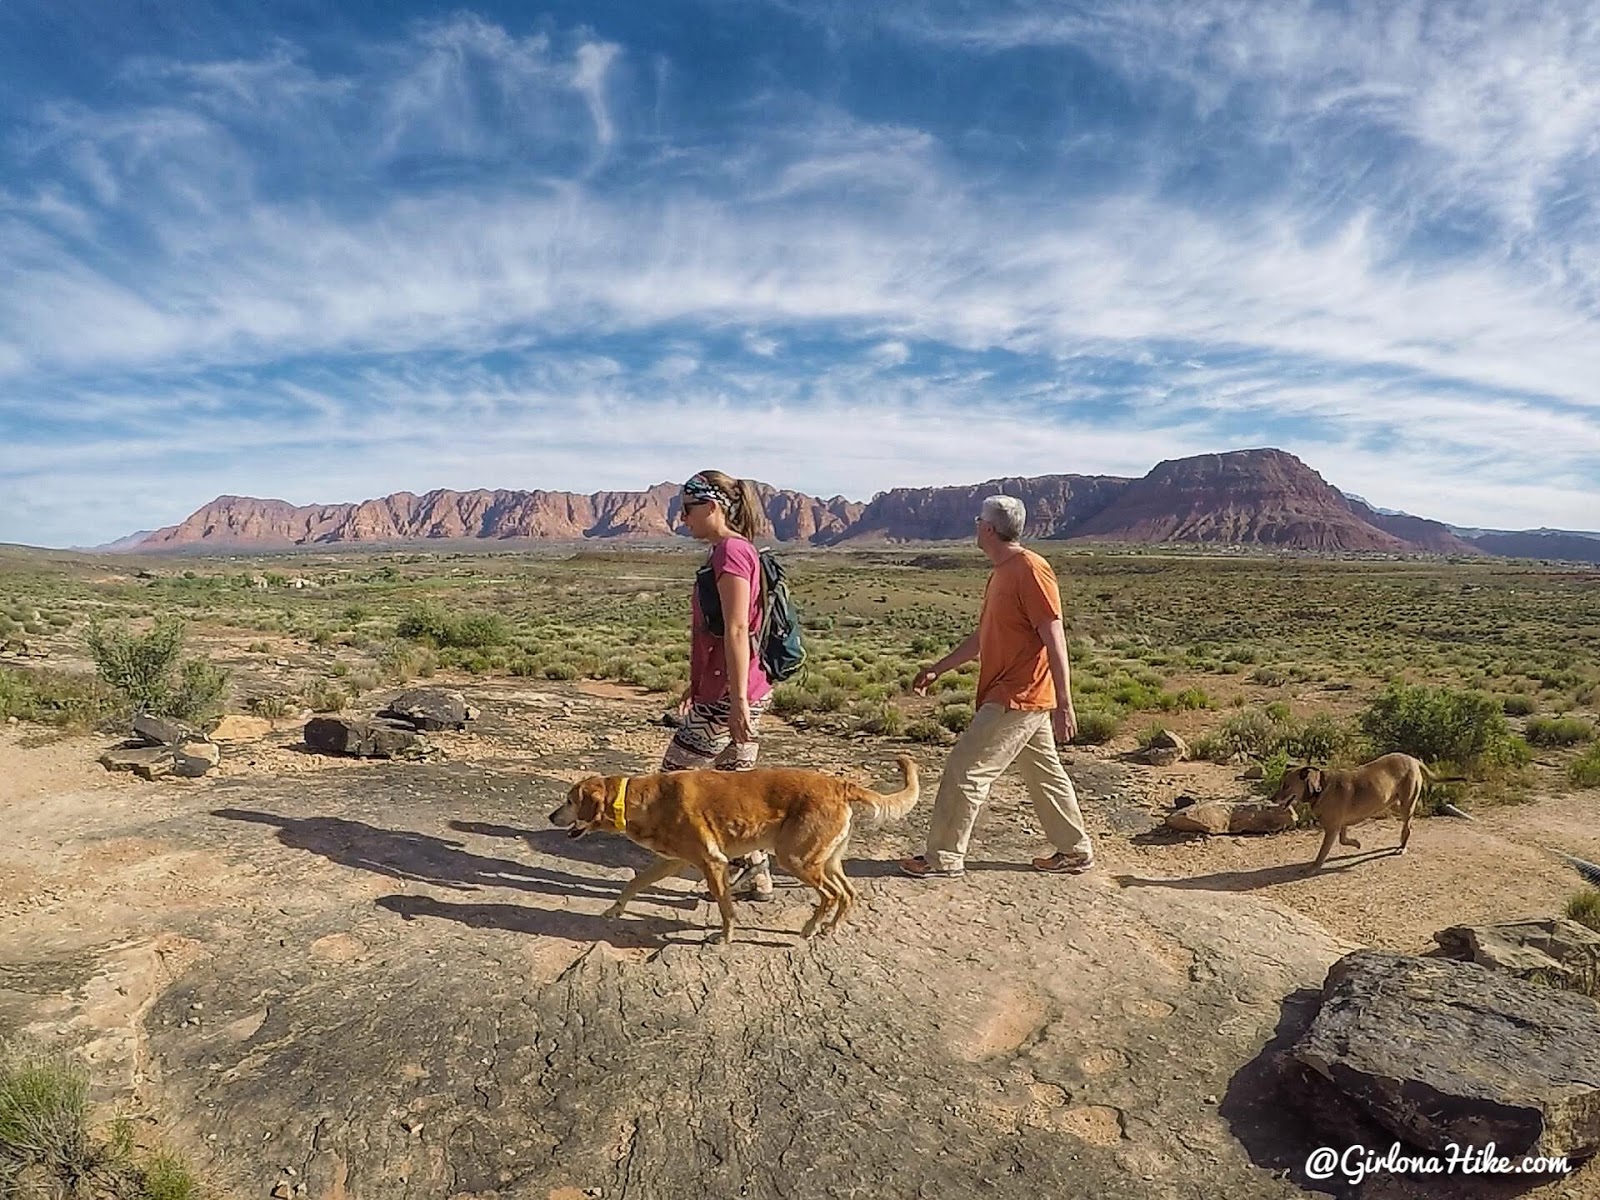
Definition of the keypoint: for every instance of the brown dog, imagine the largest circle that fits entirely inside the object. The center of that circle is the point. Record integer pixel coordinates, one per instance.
(704, 818)
(1391, 783)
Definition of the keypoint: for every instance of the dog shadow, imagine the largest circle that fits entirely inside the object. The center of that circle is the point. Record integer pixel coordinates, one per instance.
(425, 858)
(633, 931)
(1245, 881)
(600, 848)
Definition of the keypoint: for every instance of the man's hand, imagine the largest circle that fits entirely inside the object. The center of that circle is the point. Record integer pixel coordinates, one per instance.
(685, 702)
(924, 680)
(739, 721)
(1065, 723)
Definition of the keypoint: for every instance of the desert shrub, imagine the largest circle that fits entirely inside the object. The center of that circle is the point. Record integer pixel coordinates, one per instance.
(790, 699)
(59, 698)
(1585, 908)
(556, 670)
(429, 622)
(46, 1139)
(199, 691)
(926, 729)
(323, 696)
(884, 719)
(1516, 705)
(1191, 698)
(271, 706)
(147, 671)
(1250, 732)
(1272, 772)
(956, 717)
(1585, 769)
(44, 1115)
(1557, 731)
(480, 632)
(1441, 724)
(1096, 726)
(1322, 738)
(139, 666)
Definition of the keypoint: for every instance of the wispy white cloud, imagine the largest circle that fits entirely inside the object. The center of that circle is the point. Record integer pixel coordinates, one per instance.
(463, 192)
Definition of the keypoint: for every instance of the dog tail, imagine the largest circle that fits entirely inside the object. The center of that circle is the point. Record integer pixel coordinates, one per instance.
(1427, 773)
(881, 807)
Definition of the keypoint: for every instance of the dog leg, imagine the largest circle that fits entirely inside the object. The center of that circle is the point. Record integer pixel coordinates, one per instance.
(716, 873)
(847, 894)
(654, 873)
(1405, 826)
(1327, 845)
(1346, 840)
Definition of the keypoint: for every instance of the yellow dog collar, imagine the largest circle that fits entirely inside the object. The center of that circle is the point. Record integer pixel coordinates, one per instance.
(619, 818)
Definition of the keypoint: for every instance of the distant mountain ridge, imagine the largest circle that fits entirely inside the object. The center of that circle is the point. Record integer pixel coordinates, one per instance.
(1257, 497)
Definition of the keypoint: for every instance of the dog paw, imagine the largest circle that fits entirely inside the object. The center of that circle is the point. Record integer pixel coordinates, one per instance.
(613, 912)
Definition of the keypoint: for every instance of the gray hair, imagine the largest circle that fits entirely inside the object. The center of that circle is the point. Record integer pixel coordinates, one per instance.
(1006, 514)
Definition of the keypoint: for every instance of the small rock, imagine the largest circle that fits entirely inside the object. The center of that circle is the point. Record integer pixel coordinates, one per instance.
(193, 759)
(429, 709)
(1254, 771)
(360, 739)
(147, 762)
(162, 731)
(1561, 950)
(1165, 749)
(237, 728)
(281, 1191)
(1221, 817)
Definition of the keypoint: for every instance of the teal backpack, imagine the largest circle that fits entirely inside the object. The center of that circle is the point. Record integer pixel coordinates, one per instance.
(780, 646)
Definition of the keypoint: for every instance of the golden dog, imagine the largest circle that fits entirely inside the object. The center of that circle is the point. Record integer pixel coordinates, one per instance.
(1391, 783)
(704, 818)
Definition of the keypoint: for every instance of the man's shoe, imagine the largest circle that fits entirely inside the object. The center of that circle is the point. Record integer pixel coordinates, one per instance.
(918, 867)
(1065, 864)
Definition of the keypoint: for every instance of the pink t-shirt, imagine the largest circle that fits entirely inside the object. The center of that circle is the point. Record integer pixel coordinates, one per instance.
(708, 660)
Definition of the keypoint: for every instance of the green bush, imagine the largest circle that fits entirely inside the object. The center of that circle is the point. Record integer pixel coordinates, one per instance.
(1585, 769)
(956, 717)
(1096, 726)
(1516, 705)
(146, 670)
(58, 698)
(429, 622)
(925, 729)
(140, 666)
(1585, 908)
(1321, 739)
(1442, 725)
(884, 719)
(46, 1139)
(1558, 731)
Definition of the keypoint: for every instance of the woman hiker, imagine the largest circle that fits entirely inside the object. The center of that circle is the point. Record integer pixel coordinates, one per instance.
(721, 708)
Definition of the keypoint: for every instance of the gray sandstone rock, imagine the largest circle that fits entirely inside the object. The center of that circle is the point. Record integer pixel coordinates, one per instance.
(358, 738)
(1438, 1052)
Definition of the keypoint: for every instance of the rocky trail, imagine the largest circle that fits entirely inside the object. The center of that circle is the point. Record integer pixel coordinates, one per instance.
(381, 980)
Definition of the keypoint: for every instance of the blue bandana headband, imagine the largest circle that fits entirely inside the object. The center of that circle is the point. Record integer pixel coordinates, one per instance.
(699, 489)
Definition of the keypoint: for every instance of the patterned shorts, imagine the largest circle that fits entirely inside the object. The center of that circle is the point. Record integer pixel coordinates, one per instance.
(703, 739)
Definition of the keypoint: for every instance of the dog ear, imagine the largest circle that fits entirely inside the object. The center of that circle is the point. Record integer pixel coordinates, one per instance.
(1313, 778)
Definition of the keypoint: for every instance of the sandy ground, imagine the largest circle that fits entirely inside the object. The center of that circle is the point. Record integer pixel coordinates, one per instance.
(91, 862)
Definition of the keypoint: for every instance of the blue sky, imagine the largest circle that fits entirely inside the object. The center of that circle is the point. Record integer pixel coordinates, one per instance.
(325, 252)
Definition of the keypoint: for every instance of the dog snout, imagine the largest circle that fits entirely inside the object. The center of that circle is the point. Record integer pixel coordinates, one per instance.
(563, 815)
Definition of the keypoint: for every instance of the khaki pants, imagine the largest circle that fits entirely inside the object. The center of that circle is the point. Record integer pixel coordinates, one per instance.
(997, 737)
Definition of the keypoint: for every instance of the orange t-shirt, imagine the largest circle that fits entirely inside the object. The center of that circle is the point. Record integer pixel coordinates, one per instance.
(1013, 668)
